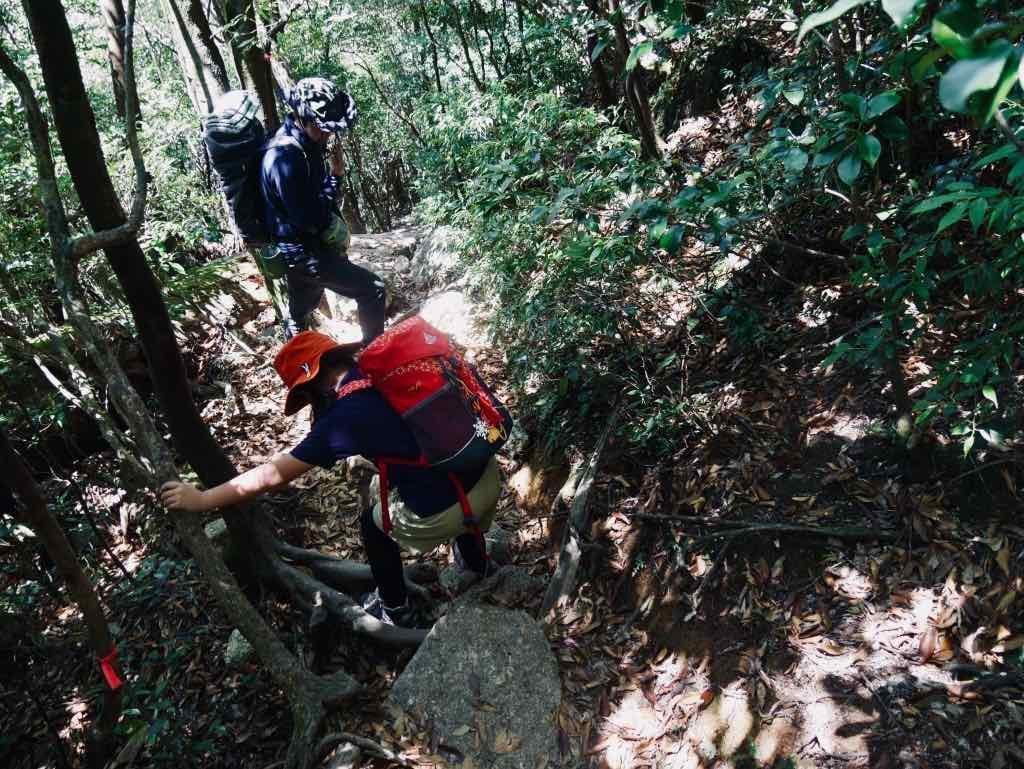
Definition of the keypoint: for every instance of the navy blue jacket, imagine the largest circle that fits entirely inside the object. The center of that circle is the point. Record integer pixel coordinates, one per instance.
(298, 192)
(364, 423)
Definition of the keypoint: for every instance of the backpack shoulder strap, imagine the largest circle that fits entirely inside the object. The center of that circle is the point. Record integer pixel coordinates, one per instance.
(356, 386)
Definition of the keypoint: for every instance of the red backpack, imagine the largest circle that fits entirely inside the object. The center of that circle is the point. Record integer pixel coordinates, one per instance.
(456, 419)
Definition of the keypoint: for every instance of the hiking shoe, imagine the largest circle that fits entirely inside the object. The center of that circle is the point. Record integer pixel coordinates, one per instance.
(398, 616)
(490, 568)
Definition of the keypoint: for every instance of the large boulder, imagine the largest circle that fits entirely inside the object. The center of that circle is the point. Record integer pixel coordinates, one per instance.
(485, 681)
(436, 261)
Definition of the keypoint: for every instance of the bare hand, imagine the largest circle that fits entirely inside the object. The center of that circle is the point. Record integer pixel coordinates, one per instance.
(182, 497)
(336, 158)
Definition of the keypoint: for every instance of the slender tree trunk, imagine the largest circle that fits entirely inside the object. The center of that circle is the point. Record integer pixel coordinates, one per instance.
(240, 16)
(76, 128)
(38, 517)
(220, 13)
(636, 92)
(469, 59)
(353, 216)
(433, 47)
(213, 62)
(604, 86)
(195, 80)
(113, 19)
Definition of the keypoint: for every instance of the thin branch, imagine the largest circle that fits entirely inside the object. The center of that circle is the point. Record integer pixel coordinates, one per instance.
(387, 103)
(1008, 132)
(281, 23)
(733, 528)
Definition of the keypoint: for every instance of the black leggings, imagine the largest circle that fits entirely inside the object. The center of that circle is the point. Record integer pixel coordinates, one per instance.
(310, 273)
(386, 560)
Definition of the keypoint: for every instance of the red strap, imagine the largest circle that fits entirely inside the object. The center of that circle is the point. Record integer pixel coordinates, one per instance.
(107, 666)
(356, 386)
(385, 513)
(467, 514)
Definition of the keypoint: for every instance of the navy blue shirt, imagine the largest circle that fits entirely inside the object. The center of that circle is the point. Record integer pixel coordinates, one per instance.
(364, 423)
(298, 192)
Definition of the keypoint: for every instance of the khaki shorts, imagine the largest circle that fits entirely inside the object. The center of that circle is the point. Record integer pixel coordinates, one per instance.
(420, 535)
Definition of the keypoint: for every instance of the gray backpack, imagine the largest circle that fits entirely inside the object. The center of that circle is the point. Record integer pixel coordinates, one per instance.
(236, 141)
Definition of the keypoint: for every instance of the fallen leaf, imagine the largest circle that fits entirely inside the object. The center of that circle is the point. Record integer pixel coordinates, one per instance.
(504, 742)
(1003, 559)
(461, 730)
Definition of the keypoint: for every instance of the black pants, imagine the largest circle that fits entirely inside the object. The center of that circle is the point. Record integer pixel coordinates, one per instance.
(385, 559)
(310, 273)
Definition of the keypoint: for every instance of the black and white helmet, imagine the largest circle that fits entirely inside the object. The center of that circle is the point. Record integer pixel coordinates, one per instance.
(318, 101)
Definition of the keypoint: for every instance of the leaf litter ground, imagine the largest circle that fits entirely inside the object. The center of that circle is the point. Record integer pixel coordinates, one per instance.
(693, 643)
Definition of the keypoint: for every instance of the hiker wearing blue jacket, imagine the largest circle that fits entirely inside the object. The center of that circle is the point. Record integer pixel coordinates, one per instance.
(299, 185)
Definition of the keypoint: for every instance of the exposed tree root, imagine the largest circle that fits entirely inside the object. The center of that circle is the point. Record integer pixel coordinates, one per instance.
(350, 576)
(308, 591)
(577, 528)
(332, 740)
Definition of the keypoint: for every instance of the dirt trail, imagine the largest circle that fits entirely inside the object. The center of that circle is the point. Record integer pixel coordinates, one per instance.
(800, 653)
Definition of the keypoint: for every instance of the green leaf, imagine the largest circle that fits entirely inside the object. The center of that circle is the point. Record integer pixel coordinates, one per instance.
(1007, 80)
(601, 45)
(826, 16)
(1016, 172)
(969, 444)
(675, 32)
(926, 62)
(838, 352)
(638, 51)
(795, 160)
(990, 394)
(977, 213)
(827, 156)
(899, 11)
(1007, 150)
(968, 76)
(954, 27)
(953, 215)
(672, 238)
(794, 95)
(930, 204)
(849, 168)
(893, 128)
(869, 149)
(882, 103)
(856, 104)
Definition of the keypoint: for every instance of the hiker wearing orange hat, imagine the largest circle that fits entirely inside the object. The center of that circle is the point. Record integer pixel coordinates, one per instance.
(352, 417)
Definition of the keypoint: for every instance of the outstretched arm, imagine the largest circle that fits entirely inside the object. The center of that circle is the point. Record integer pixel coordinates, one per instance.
(277, 472)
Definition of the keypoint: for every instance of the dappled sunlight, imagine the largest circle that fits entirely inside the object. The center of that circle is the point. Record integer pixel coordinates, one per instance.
(453, 313)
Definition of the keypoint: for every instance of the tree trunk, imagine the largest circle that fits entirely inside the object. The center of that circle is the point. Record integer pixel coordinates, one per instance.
(113, 19)
(38, 517)
(433, 47)
(604, 86)
(213, 62)
(198, 91)
(240, 16)
(76, 128)
(188, 52)
(636, 92)
(220, 13)
(477, 81)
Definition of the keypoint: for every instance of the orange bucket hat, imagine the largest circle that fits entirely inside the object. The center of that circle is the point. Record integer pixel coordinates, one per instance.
(298, 363)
